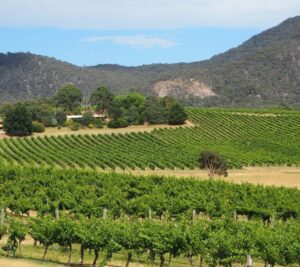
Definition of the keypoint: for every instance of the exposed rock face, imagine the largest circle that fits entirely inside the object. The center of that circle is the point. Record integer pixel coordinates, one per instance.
(182, 88)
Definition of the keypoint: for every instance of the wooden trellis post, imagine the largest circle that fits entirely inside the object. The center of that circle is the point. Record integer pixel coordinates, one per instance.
(56, 213)
(150, 214)
(2, 216)
(104, 213)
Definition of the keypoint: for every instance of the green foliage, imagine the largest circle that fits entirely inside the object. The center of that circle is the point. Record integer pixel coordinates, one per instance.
(244, 140)
(88, 192)
(98, 123)
(102, 98)
(37, 127)
(69, 98)
(17, 121)
(118, 123)
(155, 111)
(2, 230)
(16, 234)
(177, 115)
(75, 126)
(61, 118)
(87, 118)
(215, 242)
(132, 99)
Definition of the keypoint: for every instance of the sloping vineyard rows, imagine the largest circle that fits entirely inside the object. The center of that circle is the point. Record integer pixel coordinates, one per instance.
(200, 243)
(88, 193)
(242, 139)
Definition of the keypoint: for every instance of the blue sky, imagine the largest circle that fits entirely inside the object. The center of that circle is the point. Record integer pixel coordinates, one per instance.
(135, 32)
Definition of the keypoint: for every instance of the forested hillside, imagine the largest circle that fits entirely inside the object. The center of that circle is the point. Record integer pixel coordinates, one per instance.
(264, 71)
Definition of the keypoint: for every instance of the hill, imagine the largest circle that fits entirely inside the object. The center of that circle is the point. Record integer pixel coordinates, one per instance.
(243, 138)
(263, 71)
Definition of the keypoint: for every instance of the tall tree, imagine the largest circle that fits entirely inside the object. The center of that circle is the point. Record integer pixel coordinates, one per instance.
(17, 121)
(69, 97)
(177, 115)
(102, 98)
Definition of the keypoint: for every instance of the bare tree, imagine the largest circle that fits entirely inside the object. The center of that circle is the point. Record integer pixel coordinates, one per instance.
(214, 163)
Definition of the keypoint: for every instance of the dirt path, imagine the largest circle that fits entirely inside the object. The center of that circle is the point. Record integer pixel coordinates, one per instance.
(277, 176)
(9, 262)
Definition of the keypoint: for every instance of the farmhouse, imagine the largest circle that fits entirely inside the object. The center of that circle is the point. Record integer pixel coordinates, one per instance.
(71, 117)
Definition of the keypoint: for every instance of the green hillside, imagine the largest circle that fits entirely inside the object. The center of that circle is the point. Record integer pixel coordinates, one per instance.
(243, 138)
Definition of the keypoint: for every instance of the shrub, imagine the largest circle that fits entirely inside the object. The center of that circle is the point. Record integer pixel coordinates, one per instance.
(91, 126)
(61, 117)
(119, 123)
(37, 127)
(47, 118)
(75, 126)
(99, 123)
(87, 118)
(113, 124)
(122, 122)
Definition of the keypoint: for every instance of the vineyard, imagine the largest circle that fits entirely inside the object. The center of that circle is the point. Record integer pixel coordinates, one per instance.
(158, 218)
(243, 139)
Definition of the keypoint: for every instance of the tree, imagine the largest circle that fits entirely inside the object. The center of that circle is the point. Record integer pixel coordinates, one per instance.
(69, 98)
(87, 118)
(168, 102)
(47, 118)
(177, 115)
(102, 98)
(155, 111)
(132, 99)
(214, 163)
(17, 121)
(61, 117)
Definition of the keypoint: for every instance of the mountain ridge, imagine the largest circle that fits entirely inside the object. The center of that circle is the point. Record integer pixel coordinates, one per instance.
(263, 71)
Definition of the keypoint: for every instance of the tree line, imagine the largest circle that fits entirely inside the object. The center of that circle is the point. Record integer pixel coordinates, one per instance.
(24, 118)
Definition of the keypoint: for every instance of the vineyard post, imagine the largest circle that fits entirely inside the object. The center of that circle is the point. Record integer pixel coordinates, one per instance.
(249, 261)
(194, 214)
(234, 215)
(56, 213)
(2, 217)
(272, 220)
(104, 213)
(150, 214)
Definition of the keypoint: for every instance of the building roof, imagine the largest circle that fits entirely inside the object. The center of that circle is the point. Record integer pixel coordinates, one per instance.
(80, 116)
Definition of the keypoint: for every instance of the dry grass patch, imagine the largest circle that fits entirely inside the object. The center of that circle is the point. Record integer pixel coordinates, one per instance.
(275, 176)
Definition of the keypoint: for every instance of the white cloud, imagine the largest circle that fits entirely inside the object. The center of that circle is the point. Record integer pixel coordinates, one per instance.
(145, 14)
(138, 41)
